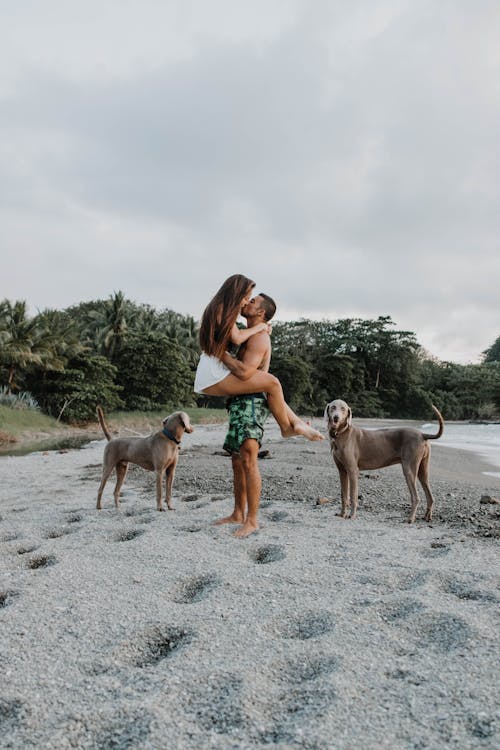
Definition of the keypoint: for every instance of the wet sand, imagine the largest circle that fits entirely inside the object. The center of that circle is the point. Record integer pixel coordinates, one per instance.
(135, 629)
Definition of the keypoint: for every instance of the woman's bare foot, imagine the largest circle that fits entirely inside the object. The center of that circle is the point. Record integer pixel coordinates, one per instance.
(299, 427)
(248, 528)
(302, 428)
(233, 518)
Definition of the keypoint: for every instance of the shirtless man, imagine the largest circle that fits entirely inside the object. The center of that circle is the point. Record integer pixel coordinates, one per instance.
(247, 414)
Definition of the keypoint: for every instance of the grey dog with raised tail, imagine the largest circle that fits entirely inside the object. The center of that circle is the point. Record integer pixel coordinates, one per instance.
(353, 449)
(158, 452)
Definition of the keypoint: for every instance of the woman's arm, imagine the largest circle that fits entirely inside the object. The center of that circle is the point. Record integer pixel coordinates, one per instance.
(237, 367)
(254, 356)
(240, 335)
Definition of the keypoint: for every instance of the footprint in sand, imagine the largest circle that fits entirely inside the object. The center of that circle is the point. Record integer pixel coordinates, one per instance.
(57, 533)
(464, 591)
(196, 588)
(127, 536)
(442, 632)
(279, 515)
(437, 549)
(154, 645)
(142, 515)
(43, 561)
(122, 727)
(190, 498)
(216, 703)
(305, 626)
(7, 597)
(26, 550)
(124, 734)
(10, 536)
(193, 528)
(393, 612)
(267, 554)
(9, 713)
(413, 580)
(294, 710)
(305, 668)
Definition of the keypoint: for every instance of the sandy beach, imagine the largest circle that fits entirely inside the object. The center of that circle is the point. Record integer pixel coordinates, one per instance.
(138, 629)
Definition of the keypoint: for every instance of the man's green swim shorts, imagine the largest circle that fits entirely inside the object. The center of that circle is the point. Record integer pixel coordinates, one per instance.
(247, 414)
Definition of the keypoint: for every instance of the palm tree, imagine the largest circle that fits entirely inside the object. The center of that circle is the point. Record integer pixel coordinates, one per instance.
(61, 337)
(23, 340)
(111, 323)
(184, 330)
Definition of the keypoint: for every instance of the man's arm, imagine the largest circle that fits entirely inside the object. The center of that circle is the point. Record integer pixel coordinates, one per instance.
(252, 357)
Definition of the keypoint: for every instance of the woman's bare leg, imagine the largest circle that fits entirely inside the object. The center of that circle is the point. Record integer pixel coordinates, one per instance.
(290, 424)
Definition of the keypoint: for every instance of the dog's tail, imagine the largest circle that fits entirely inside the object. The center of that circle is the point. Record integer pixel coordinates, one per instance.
(100, 414)
(441, 426)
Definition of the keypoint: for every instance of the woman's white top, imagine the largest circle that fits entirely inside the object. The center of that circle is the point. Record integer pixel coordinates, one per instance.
(209, 372)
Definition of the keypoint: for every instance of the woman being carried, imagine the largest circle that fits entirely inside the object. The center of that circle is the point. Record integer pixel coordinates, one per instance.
(214, 378)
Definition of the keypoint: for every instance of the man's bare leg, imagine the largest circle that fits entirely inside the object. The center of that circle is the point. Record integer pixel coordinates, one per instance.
(249, 456)
(240, 493)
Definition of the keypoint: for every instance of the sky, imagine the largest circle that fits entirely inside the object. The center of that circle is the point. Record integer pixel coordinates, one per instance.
(345, 156)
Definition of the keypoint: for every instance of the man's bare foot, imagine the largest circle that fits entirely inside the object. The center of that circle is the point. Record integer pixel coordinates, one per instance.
(233, 518)
(248, 528)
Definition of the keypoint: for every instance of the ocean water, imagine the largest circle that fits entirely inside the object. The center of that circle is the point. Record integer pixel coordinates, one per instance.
(482, 439)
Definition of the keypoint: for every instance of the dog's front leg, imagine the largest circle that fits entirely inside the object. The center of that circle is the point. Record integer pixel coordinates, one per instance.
(169, 483)
(353, 490)
(344, 490)
(159, 484)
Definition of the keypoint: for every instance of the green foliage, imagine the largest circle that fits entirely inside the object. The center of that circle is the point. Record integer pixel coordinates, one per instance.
(118, 352)
(23, 341)
(153, 372)
(72, 394)
(461, 391)
(492, 354)
(294, 375)
(365, 362)
(104, 325)
(21, 400)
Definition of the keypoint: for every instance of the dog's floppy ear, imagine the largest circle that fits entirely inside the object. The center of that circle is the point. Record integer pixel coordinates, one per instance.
(326, 415)
(349, 416)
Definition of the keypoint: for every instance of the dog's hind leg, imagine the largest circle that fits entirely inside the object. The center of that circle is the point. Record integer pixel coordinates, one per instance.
(423, 476)
(106, 471)
(121, 473)
(410, 473)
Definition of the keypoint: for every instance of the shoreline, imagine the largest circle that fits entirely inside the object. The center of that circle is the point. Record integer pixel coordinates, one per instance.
(468, 461)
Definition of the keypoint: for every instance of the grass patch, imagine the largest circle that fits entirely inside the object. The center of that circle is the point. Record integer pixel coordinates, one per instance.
(142, 418)
(16, 421)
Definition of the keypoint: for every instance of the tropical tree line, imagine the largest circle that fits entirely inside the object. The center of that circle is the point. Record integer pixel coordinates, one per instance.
(380, 371)
(130, 356)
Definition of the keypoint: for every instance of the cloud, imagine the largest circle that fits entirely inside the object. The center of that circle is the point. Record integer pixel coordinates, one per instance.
(345, 157)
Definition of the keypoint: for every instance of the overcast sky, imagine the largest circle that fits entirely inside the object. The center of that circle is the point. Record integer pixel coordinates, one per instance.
(345, 155)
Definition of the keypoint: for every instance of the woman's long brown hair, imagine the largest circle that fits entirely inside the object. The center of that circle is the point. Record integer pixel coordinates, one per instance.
(221, 313)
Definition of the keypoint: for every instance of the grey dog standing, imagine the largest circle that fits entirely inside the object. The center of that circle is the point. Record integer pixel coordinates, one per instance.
(158, 452)
(353, 449)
